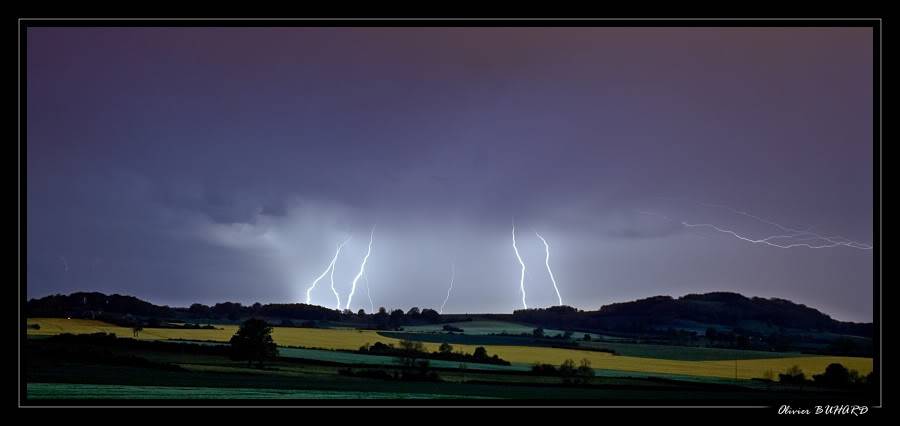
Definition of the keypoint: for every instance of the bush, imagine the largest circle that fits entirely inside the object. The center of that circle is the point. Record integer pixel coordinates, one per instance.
(567, 368)
(368, 373)
(585, 372)
(544, 369)
(835, 375)
(569, 373)
(480, 353)
(793, 375)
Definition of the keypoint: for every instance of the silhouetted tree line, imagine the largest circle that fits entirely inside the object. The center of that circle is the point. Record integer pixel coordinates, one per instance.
(235, 311)
(393, 320)
(129, 311)
(835, 375)
(409, 351)
(569, 373)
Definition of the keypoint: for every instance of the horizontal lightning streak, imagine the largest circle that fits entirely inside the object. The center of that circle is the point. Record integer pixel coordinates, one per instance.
(833, 241)
(766, 241)
(797, 236)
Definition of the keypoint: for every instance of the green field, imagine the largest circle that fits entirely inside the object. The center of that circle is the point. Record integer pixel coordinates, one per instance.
(352, 358)
(87, 391)
(221, 379)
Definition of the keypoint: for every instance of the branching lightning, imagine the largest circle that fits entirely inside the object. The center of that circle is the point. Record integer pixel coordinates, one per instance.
(329, 268)
(334, 290)
(832, 241)
(768, 240)
(547, 262)
(522, 279)
(316, 281)
(794, 238)
(362, 270)
(452, 276)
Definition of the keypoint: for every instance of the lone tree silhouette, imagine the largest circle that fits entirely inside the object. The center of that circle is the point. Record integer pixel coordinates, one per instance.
(253, 342)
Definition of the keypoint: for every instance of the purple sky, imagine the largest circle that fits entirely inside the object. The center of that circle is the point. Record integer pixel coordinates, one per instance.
(187, 165)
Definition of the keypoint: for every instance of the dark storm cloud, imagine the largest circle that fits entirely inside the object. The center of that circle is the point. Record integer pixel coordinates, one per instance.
(204, 164)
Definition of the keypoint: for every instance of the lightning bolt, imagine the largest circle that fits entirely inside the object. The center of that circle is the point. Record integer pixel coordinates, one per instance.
(833, 241)
(522, 279)
(65, 263)
(547, 262)
(362, 270)
(371, 305)
(333, 262)
(452, 276)
(329, 268)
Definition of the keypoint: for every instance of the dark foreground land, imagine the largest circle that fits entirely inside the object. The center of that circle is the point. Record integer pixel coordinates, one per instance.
(58, 371)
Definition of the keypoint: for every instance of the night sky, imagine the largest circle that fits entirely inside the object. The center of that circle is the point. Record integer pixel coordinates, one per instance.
(184, 165)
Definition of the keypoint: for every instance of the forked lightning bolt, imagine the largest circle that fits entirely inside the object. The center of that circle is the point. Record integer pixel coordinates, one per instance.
(519, 258)
(547, 262)
(447, 297)
(362, 270)
(330, 267)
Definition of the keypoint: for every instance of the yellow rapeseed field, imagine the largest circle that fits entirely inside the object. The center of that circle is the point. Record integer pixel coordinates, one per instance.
(353, 339)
